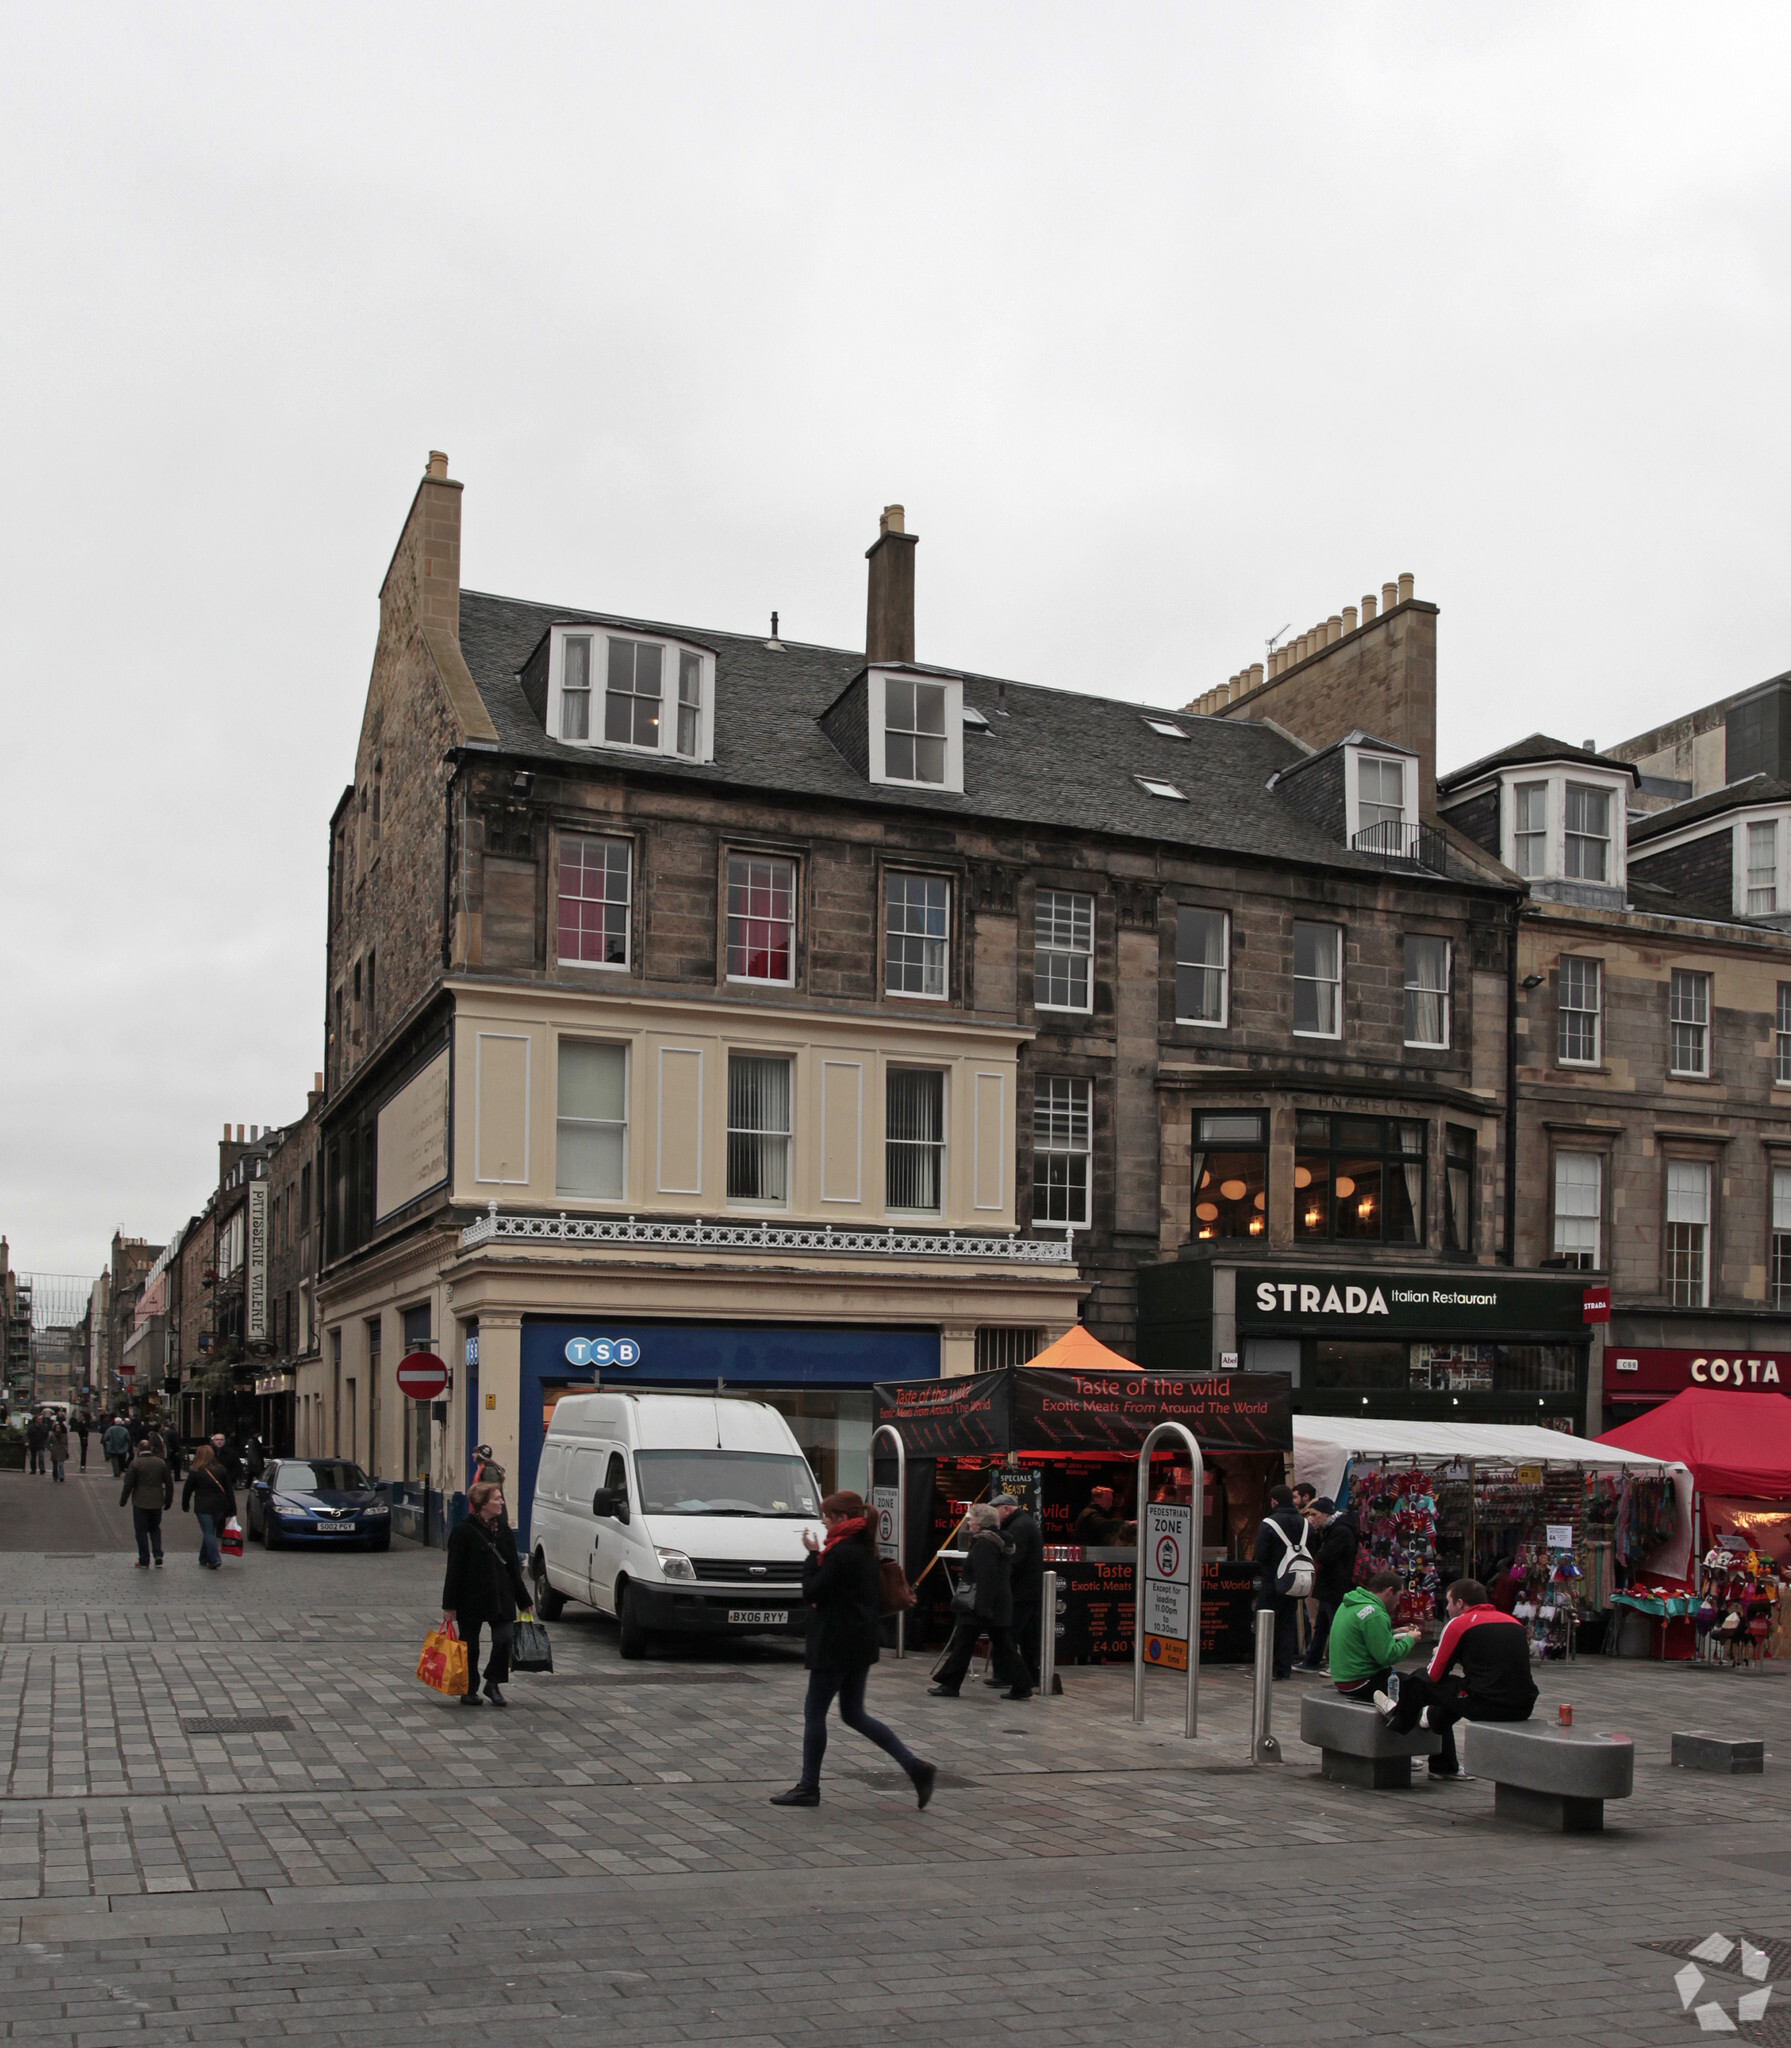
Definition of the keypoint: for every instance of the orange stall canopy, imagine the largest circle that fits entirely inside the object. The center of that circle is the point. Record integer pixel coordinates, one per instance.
(1077, 1351)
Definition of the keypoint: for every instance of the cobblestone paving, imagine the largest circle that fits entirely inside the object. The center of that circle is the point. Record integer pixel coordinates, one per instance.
(603, 1855)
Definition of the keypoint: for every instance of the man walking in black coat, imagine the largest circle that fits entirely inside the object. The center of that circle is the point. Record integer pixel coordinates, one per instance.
(1283, 1557)
(1335, 1542)
(1026, 1575)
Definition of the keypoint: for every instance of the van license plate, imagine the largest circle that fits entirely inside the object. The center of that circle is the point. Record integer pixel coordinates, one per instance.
(758, 1617)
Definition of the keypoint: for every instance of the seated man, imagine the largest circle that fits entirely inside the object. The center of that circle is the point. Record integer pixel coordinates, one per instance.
(1363, 1647)
(1481, 1672)
(1096, 1526)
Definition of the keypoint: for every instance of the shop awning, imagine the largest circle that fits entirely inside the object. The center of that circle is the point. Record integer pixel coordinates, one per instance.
(1077, 1351)
(1735, 1443)
(1022, 1409)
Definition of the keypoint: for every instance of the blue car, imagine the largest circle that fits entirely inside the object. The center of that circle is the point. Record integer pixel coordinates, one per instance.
(318, 1500)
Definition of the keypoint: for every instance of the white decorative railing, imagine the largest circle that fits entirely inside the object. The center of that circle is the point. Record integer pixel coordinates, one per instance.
(765, 1237)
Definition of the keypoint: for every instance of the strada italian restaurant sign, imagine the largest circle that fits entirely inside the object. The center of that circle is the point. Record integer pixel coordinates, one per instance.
(1477, 1301)
(1643, 1374)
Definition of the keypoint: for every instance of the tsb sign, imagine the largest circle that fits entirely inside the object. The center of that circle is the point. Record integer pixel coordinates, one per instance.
(602, 1351)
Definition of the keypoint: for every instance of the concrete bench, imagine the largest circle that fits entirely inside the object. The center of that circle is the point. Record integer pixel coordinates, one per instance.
(1356, 1747)
(1730, 1756)
(1550, 1777)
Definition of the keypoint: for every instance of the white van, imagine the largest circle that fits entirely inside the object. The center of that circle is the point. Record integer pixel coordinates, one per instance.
(674, 1512)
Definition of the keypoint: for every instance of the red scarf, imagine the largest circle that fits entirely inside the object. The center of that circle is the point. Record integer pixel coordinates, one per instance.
(841, 1532)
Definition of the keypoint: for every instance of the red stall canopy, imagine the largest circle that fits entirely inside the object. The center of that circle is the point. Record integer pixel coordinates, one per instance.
(1735, 1443)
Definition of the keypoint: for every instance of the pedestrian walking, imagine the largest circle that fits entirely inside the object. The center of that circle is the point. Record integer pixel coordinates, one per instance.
(148, 1490)
(1284, 1573)
(224, 1457)
(1336, 1539)
(1480, 1672)
(990, 1612)
(254, 1458)
(115, 1441)
(57, 1447)
(839, 1582)
(83, 1429)
(37, 1435)
(484, 1589)
(1026, 1574)
(212, 1501)
(486, 1469)
(1363, 1647)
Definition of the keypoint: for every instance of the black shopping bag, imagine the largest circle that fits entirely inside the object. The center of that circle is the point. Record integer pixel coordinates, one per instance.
(531, 1651)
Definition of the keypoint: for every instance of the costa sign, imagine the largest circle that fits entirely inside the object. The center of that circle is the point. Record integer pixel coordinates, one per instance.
(1638, 1371)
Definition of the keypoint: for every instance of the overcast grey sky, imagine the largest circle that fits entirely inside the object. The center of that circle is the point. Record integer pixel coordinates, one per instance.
(1168, 326)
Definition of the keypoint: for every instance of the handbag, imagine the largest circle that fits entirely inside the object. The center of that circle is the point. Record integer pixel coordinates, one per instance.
(963, 1602)
(442, 1666)
(230, 1538)
(894, 1594)
(529, 1648)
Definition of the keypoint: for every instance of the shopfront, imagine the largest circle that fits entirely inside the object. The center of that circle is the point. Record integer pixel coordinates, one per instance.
(1443, 1344)
(820, 1379)
(1742, 1356)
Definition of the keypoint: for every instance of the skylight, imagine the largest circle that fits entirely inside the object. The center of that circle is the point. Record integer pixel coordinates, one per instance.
(1154, 785)
(972, 716)
(1167, 727)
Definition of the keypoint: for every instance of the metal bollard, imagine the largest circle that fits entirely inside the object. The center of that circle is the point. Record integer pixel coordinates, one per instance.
(1047, 1635)
(1264, 1749)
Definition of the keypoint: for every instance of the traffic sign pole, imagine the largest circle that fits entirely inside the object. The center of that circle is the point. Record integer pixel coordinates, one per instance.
(1145, 1572)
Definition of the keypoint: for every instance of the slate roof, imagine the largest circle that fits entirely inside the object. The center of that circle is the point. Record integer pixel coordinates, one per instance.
(1734, 796)
(1057, 758)
(1538, 747)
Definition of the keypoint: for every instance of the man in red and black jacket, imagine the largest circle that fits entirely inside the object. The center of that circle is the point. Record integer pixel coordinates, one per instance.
(1481, 1672)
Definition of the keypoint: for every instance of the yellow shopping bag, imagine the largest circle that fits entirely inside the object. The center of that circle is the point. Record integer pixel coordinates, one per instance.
(442, 1665)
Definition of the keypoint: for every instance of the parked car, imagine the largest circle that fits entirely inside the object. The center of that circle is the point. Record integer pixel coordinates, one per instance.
(674, 1513)
(317, 1500)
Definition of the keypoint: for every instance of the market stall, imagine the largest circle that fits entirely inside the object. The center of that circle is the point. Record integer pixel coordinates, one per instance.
(1558, 1525)
(1066, 1438)
(1737, 1448)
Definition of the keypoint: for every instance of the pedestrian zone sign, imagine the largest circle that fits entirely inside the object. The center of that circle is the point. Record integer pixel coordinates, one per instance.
(1167, 1549)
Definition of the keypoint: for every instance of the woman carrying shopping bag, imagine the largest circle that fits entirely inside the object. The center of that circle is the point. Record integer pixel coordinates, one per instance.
(484, 1588)
(839, 1581)
(209, 1497)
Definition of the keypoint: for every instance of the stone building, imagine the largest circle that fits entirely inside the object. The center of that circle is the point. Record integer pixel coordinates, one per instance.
(718, 1009)
(1653, 1042)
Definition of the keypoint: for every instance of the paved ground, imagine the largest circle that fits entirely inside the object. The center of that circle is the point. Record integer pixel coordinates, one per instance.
(359, 1861)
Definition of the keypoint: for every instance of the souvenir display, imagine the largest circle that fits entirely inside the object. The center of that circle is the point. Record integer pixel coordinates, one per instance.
(1739, 1617)
(1397, 1513)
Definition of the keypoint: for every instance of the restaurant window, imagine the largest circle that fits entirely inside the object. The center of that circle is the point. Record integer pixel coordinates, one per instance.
(1359, 1178)
(593, 902)
(633, 693)
(1588, 833)
(1688, 1232)
(917, 923)
(914, 1139)
(1690, 1019)
(1318, 980)
(1231, 1175)
(1576, 1043)
(758, 1129)
(1061, 1116)
(591, 1123)
(1579, 1208)
(761, 919)
(575, 690)
(1202, 965)
(1426, 991)
(1529, 809)
(1063, 955)
(1458, 1188)
(1762, 868)
(1781, 1237)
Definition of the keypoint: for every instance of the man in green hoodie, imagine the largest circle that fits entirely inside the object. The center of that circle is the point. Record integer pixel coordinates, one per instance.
(1363, 1647)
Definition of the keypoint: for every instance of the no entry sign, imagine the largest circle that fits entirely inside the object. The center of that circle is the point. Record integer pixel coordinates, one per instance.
(422, 1376)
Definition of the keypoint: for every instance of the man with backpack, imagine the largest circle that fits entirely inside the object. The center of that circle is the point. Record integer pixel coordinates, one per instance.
(1284, 1573)
(1335, 1542)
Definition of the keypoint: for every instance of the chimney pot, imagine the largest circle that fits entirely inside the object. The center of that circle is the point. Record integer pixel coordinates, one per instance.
(239, 1134)
(1405, 588)
(1368, 608)
(889, 607)
(1333, 628)
(1589, 747)
(1389, 596)
(1255, 675)
(317, 1084)
(438, 463)
(1349, 618)
(226, 1134)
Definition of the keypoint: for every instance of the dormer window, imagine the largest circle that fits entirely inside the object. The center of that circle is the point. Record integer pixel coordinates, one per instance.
(1381, 791)
(1565, 831)
(1588, 833)
(1530, 827)
(657, 695)
(916, 729)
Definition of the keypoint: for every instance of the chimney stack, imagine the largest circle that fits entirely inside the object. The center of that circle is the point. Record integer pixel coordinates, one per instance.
(437, 464)
(889, 613)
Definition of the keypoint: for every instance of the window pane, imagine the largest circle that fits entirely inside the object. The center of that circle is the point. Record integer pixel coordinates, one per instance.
(592, 1118)
(631, 702)
(758, 1128)
(917, 925)
(1063, 927)
(1200, 965)
(1219, 1130)
(1578, 1020)
(1530, 815)
(1426, 991)
(1781, 1198)
(1060, 1136)
(1688, 1191)
(690, 704)
(1783, 1068)
(1690, 1022)
(1380, 791)
(1458, 1189)
(593, 901)
(593, 1080)
(575, 691)
(1316, 952)
(761, 918)
(1230, 1192)
(915, 1133)
(929, 707)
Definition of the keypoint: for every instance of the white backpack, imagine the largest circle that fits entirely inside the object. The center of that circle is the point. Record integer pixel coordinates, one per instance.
(1295, 1579)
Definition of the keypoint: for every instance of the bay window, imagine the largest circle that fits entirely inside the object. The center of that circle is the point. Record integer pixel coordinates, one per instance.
(1359, 1178)
(1231, 1174)
(1588, 846)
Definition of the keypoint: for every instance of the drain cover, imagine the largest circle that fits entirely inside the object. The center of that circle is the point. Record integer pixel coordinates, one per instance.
(235, 1724)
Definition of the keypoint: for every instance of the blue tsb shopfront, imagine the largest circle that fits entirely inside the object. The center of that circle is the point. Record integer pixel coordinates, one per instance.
(820, 1378)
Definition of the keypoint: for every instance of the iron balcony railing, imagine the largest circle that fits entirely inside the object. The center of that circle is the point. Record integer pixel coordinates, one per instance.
(699, 1234)
(1396, 843)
